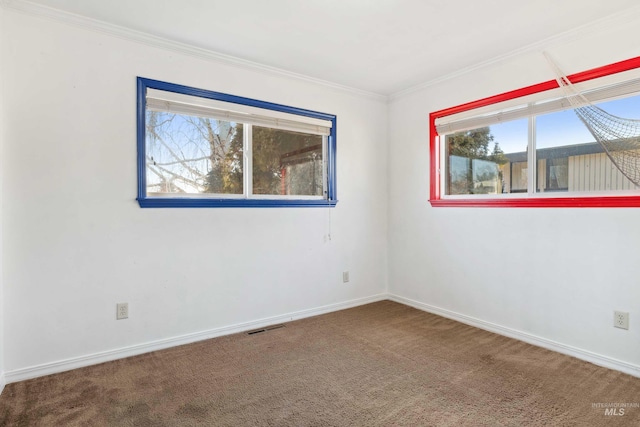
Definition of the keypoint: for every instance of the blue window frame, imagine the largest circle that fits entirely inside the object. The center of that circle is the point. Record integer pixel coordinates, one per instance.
(199, 148)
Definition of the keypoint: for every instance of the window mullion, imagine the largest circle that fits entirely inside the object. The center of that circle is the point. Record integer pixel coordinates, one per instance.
(325, 150)
(247, 167)
(443, 166)
(531, 156)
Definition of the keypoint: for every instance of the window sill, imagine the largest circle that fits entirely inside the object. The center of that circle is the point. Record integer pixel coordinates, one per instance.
(233, 203)
(546, 202)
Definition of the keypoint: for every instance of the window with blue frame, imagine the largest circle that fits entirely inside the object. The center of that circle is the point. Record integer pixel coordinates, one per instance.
(199, 148)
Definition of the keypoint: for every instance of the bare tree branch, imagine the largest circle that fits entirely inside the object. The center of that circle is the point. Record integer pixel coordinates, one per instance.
(176, 176)
(178, 158)
(179, 161)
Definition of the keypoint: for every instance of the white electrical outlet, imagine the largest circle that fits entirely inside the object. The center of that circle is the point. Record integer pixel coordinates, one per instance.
(345, 276)
(122, 311)
(621, 319)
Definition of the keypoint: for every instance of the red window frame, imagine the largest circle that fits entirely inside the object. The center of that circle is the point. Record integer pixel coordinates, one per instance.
(436, 199)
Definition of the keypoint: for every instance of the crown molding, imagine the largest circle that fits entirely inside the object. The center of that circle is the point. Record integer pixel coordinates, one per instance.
(90, 24)
(607, 22)
(38, 10)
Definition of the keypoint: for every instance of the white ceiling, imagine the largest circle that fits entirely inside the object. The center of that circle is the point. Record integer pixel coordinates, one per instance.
(380, 46)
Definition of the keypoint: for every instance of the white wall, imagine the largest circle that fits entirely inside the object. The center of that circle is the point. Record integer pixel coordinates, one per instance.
(2, 126)
(556, 274)
(77, 242)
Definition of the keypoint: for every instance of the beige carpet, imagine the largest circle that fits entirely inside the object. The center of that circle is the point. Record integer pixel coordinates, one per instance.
(382, 364)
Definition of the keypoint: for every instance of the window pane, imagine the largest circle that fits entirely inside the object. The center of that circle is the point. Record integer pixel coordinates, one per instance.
(192, 155)
(569, 158)
(287, 163)
(488, 160)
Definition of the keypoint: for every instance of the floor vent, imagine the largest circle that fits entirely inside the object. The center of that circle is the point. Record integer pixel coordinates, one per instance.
(268, 328)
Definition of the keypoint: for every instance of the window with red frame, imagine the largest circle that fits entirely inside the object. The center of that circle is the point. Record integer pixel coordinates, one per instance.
(527, 148)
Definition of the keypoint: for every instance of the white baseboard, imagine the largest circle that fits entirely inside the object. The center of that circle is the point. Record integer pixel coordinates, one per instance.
(596, 359)
(106, 356)
(3, 382)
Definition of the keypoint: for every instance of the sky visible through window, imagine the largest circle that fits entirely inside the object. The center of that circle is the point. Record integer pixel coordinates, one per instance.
(560, 128)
